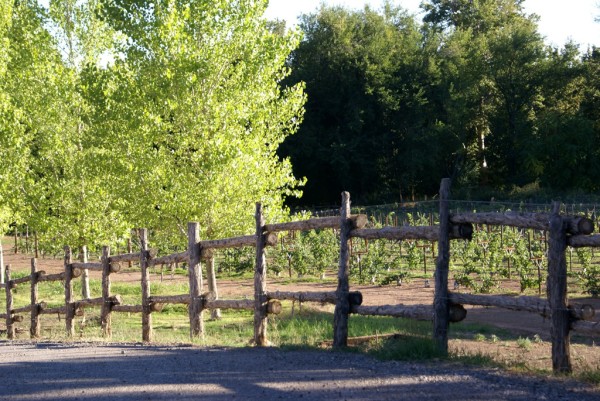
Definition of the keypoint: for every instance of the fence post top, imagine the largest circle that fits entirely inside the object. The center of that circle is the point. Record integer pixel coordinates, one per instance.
(556, 207)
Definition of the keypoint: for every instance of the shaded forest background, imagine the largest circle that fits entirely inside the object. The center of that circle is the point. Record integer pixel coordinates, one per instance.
(471, 92)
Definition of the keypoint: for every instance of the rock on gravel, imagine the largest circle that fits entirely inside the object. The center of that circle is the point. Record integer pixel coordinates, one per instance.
(84, 371)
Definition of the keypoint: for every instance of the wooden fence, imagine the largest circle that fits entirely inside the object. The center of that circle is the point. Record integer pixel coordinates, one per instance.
(447, 306)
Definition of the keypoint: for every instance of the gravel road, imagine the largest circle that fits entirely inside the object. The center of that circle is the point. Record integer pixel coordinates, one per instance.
(84, 371)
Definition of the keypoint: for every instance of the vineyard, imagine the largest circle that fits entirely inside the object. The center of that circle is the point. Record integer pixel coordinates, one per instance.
(496, 259)
(529, 249)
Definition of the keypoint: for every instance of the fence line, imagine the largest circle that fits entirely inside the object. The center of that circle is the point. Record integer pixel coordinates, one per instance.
(447, 307)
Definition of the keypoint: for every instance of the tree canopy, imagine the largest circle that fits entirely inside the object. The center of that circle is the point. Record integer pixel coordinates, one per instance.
(117, 114)
(121, 114)
(472, 93)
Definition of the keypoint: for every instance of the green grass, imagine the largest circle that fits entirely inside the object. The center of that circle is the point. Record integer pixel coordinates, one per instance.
(591, 376)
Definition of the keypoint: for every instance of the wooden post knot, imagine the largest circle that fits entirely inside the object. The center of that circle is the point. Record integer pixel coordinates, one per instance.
(75, 271)
(270, 238)
(114, 267)
(274, 307)
(456, 313)
(208, 297)
(150, 254)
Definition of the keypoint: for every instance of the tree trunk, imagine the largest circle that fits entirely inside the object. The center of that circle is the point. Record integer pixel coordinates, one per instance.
(215, 314)
(10, 328)
(85, 276)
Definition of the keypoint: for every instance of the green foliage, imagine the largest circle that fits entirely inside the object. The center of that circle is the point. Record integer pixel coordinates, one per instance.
(366, 82)
(524, 343)
(237, 260)
(589, 276)
(312, 252)
(205, 115)
(110, 121)
(374, 265)
(472, 93)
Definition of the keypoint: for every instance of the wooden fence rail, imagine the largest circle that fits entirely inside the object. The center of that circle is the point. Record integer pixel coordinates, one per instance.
(447, 306)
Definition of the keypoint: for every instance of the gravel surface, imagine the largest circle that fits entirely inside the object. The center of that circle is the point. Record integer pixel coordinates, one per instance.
(84, 371)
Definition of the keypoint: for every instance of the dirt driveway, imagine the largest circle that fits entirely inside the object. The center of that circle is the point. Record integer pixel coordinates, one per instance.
(82, 371)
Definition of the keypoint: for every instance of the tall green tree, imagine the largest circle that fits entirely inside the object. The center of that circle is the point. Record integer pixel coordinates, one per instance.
(197, 113)
(5, 106)
(364, 131)
(128, 114)
(568, 121)
(30, 132)
(494, 76)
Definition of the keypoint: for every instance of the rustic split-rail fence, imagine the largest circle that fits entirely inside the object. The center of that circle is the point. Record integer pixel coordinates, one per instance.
(447, 307)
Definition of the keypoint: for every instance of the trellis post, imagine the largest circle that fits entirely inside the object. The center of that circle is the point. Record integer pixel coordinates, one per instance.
(440, 302)
(342, 305)
(215, 314)
(557, 293)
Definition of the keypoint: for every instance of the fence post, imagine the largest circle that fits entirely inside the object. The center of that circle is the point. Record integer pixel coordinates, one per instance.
(557, 293)
(342, 303)
(212, 285)
(10, 327)
(34, 329)
(260, 282)
(105, 316)
(69, 299)
(195, 279)
(146, 307)
(440, 301)
(85, 274)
